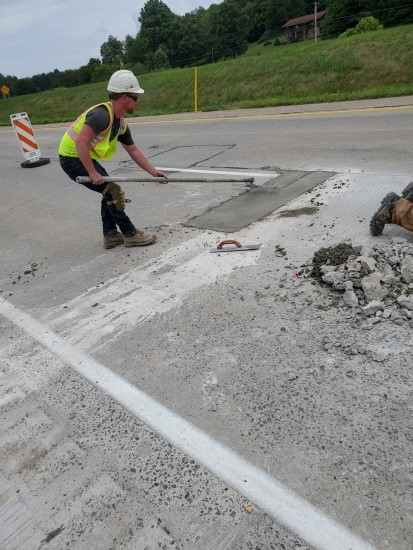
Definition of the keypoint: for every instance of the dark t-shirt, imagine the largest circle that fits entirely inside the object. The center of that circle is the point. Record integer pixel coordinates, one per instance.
(98, 119)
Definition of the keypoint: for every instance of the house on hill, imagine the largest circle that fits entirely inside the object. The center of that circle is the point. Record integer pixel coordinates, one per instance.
(304, 27)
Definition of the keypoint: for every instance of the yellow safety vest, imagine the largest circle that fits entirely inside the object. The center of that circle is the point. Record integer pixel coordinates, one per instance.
(101, 148)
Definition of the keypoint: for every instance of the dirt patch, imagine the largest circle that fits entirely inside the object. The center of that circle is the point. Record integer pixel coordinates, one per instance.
(333, 255)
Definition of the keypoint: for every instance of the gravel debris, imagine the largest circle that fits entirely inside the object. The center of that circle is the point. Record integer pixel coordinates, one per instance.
(377, 284)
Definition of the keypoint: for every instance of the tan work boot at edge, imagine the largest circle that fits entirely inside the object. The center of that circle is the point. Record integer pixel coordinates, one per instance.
(112, 240)
(139, 239)
(383, 214)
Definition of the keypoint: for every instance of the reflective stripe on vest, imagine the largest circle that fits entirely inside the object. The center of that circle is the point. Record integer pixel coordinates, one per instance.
(100, 147)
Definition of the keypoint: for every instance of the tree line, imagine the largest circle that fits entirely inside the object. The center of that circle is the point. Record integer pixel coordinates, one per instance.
(221, 31)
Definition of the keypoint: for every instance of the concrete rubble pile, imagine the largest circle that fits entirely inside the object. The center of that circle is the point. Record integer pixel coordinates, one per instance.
(377, 286)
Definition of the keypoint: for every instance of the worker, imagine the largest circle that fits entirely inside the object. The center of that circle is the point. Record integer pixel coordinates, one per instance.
(94, 137)
(394, 209)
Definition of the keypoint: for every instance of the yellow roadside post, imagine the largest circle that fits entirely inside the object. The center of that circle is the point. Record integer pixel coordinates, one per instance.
(196, 89)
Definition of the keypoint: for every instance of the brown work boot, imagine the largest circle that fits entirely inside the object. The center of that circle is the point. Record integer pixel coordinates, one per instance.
(139, 239)
(407, 192)
(383, 214)
(112, 240)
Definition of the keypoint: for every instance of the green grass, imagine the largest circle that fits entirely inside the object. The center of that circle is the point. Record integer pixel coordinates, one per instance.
(375, 64)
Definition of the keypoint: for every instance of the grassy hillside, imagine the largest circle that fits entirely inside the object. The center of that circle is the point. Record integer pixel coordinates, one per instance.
(375, 64)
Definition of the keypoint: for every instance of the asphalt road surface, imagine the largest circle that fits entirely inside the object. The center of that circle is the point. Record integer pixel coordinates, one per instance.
(167, 397)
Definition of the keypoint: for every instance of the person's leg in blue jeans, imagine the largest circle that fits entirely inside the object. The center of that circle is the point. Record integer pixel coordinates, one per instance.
(110, 215)
(112, 210)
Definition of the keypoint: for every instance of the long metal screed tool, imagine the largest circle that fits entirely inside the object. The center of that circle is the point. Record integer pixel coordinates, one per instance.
(111, 179)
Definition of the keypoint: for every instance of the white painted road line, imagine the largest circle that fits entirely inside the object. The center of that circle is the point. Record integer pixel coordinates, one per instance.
(298, 515)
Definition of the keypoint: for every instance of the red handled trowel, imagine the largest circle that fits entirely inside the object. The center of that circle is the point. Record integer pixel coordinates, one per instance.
(234, 246)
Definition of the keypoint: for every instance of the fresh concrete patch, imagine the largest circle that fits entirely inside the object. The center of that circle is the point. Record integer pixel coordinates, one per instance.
(241, 211)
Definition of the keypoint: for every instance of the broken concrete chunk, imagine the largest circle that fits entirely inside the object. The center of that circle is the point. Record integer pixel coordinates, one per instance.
(406, 302)
(381, 278)
(367, 263)
(333, 278)
(372, 307)
(372, 287)
(398, 240)
(394, 260)
(396, 317)
(328, 268)
(407, 314)
(386, 314)
(406, 270)
(350, 298)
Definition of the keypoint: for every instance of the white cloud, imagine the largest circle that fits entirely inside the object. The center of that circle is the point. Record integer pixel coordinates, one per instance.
(24, 16)
(38, 37)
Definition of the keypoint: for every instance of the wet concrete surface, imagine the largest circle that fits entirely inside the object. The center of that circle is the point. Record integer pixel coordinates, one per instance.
(256, 203)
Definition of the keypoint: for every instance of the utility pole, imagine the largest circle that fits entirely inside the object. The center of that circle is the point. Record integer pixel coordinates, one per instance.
(315, 21)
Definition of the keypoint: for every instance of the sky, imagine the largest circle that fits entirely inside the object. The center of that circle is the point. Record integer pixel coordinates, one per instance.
(39, 36)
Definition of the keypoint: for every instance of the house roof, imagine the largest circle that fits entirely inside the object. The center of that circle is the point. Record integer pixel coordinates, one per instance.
(303, 19)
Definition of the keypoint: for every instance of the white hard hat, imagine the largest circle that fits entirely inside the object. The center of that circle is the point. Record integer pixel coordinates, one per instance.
(124, 81)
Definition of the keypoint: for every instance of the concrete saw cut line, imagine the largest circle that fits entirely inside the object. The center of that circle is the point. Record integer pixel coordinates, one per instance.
(286, 507)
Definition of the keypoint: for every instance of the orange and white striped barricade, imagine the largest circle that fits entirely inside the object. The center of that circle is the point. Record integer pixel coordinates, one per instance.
(27, 140)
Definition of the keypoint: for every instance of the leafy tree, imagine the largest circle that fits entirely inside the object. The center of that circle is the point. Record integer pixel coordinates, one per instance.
(93, 61)
(266, 17)
(86, 71)
(24, 86)
(135, 51)
(229, 29)
(284, 10)
(70, 78)
(103, 72)
(257, 19)
(345, 14)
(221, 31)
(364, 25)
(341, 14)
(59, 78)
(85, 74)
(390, 12)
(137, 68)
(42, 82)
(160, 59)
(156, 20)
(112, 51)
(200, 28)
(189, 40)
(368, 24)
